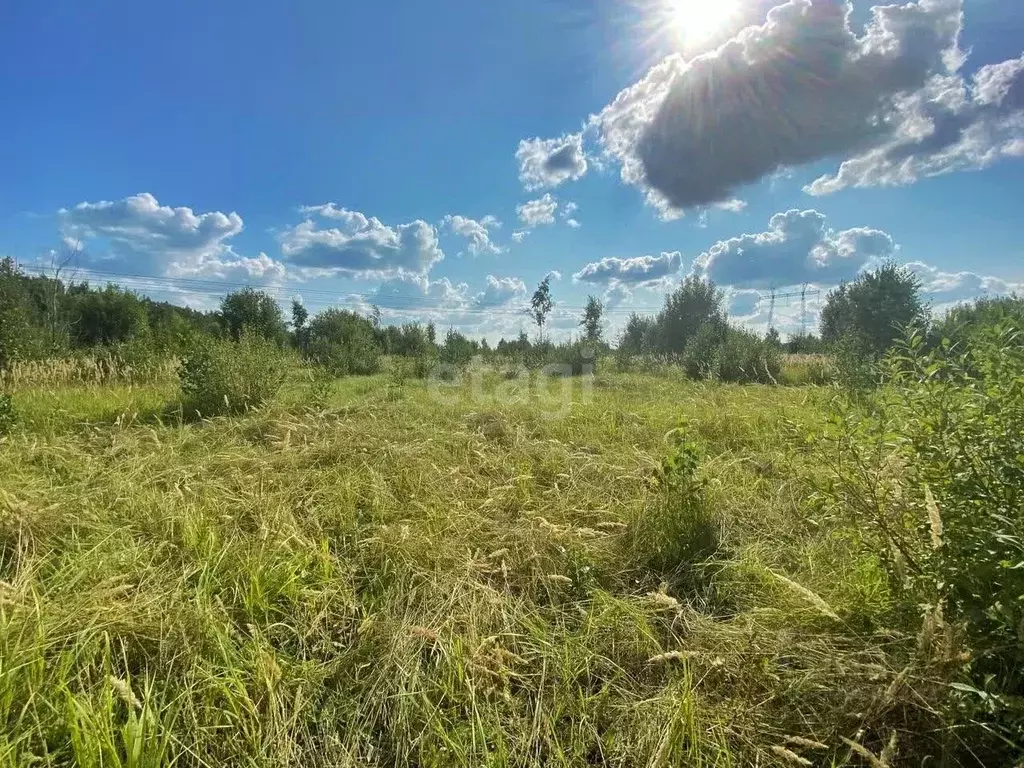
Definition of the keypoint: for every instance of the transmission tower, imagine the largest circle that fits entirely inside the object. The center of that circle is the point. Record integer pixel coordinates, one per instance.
(803, 293)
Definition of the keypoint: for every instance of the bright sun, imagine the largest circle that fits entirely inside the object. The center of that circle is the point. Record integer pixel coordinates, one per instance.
(697, 21)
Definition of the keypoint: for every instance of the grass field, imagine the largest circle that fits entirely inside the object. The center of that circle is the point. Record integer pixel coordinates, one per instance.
(394, 575)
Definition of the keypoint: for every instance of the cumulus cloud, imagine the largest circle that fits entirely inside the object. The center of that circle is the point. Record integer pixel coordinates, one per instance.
(952, 287)
(231, 268)
(617, 295)
(796, 248)
(949, 125)
(476, 232)
(634, 271)
(805, 86)
(546, 163)
(140, 235)
(499, 291)
(520, 234)
(361, 247)
(554, 275)
(412, 292)
(534, 213)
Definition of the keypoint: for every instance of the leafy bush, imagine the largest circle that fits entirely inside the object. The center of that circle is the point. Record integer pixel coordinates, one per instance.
(746, 358)
(358, 358)
(7, 413)
(928, 474)
(222, 377)
(344, 343)
(701, 356)
(962, 323)
(576, 359)
(683, 532)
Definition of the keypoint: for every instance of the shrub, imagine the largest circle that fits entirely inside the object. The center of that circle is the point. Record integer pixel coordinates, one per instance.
(576, 359)
(356, 358)
(701, 356)
(683, 533)
(344, 343)
(928, 476)
(7, 413)
(747, 358)
(222, 377)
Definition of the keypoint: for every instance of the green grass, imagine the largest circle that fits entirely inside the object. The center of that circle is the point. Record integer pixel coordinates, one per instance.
(395, 580)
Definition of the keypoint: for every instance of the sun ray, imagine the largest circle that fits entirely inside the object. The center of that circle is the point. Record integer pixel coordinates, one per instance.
(696, 21)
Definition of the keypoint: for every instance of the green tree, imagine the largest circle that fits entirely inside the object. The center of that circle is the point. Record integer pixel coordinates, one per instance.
(591, 320)
(872, 312)
(15, 328)
(252, 311)
(299, 317)
(106, 316)
(541, 305)
(638, 335)
(693, 304)
(344, 342)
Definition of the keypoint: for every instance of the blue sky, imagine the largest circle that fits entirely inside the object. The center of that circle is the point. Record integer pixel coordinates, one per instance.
(440, 159)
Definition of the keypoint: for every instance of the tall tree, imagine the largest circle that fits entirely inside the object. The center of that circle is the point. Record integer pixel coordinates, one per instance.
(299, 317)
(252, 311)
(638, 335)
(693, 304)
(874, 309)
(541, 305)
(591, 320)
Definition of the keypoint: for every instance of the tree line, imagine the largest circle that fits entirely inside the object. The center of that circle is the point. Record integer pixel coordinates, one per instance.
(45, 317)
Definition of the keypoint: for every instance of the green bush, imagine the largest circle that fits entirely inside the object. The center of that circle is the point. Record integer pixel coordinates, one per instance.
(701, 355)
(356, 358)
(8, 416)
(928, 476)
(747, 358)
(578, 358)
(222, 377)
(677, 538)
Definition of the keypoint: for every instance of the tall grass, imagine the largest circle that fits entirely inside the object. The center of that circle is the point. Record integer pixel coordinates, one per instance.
(392, 580)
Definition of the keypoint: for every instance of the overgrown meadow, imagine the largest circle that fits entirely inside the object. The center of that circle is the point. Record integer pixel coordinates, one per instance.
(498, 568)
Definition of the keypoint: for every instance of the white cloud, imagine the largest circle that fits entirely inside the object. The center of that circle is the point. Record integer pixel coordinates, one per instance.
(418, 292)
(952, 287)
(499, 291)
(806, 86)
(139, 235)
(520, 234)
(732, 206)
(232, 268)
(554, 275)
(476, 232)
(573, 223)
(634, 271)
(949, 125)
(617, 295)
(797, 248)
(546, 163)
(534, 213)
(361, 247)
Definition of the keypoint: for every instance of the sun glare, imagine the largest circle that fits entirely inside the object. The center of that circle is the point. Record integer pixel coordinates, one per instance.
(697, 21)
